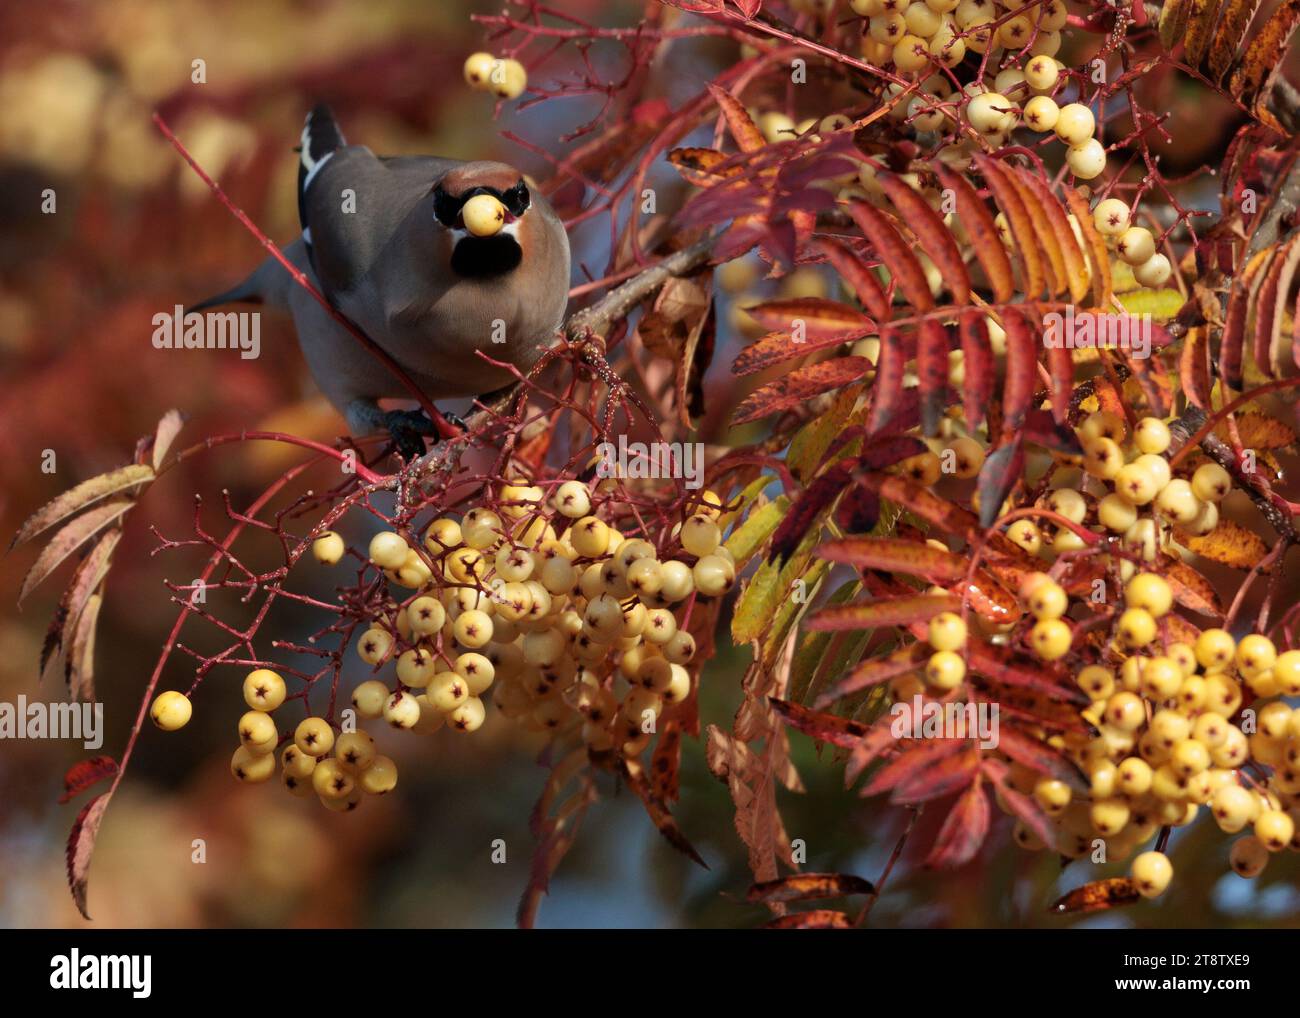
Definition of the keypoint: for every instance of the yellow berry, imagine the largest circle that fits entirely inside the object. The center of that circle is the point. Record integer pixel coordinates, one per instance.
(1151, 435)
(331, 781)
(947, 631)
(508, 79)
(1152, 871)
(1149, 591)
(1255, 654)
(1214, 649)
(380, 777)
(945, 670)
(257, 732)
(251, 767)
(171, 710)
(1248, 857)
(1050, 639)
(483, 215)
(1211, 483)
(355, 751)
(314, 737)
(388, 550)
(1136, 627)
(478, 69)
(374, 645)
(1047, 601)
(328, 549)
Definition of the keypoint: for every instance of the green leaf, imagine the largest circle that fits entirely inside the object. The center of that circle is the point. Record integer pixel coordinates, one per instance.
(747, 538)
(757, 604)
(808, 655)
(809, 445)
(1161, 305)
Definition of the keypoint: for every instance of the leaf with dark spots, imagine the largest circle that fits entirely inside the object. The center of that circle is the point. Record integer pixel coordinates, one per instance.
(1003, 665)
(948, 776)
(858, 510)
(81, 846)
(979, 372)
(777, 347)
(894, 253)
(808, 887)
(815, 500)
(853, 270)
(1022, 371)
(800, 386)
(1097, 896)
(843, 732)
(963, 830)
(887, 390)
(1002, 469)
(897, 555)
(932, 373)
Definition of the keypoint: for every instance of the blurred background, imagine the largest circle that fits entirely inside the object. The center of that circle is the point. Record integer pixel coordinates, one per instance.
(134, 233)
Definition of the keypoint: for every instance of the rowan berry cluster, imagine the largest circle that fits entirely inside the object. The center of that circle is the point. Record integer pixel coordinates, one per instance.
(1167, 739)
(1129, 489)
(570, 623)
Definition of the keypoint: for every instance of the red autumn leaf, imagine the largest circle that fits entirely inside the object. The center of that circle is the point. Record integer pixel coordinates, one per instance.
(745, 132)
(818, 316)
(1001, 471)
(1040, 757)
(799, 386)
(887, 390)
(894, 252)
(914, 759)
(1025, 808)
(851, 268)
(980, 226)
(838, 731)
(1022, 371)
(81, 846)
(963, 830)
(1022, 229)
(659, 814)
(86, 774)
(899, 611)
(978, 367)
(932, 373)
(948, 775)
(776, 347)
(897, 554)
(935, 238)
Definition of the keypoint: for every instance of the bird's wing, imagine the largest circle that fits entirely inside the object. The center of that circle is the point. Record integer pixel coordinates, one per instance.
(350, 200)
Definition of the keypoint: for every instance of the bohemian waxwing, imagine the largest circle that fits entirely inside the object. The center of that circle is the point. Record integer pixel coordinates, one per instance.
(385, 241)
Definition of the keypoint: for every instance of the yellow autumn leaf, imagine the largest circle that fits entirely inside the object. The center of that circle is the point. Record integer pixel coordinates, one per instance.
(1230, 544)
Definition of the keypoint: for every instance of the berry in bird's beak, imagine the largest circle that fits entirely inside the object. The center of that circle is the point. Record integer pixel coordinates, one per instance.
(483, 215)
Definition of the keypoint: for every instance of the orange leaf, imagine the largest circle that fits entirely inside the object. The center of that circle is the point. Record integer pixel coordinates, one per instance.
(1230, 544)
(800, 386)
(1113, 892)
(747, 135)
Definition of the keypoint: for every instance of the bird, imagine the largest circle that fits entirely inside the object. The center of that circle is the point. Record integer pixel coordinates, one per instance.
(400, 246)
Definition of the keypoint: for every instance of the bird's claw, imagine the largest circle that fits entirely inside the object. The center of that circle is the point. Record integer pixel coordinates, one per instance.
(409, 428)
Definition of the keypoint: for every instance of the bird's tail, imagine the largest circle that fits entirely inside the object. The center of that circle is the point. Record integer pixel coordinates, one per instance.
(247, 292)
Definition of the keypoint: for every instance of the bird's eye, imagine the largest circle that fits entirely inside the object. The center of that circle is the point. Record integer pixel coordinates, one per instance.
(516, 200)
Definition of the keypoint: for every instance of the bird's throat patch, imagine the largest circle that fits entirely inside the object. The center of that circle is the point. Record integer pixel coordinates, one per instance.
(484, 257)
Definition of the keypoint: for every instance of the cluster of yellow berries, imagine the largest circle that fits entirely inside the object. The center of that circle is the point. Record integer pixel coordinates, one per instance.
(553, 621)
(570, 623)
(1144, 502)
(307, 768)
(505, 78)
(1165, 741)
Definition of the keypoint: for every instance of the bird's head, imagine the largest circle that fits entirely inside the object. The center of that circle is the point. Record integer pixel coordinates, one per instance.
(485, 208)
